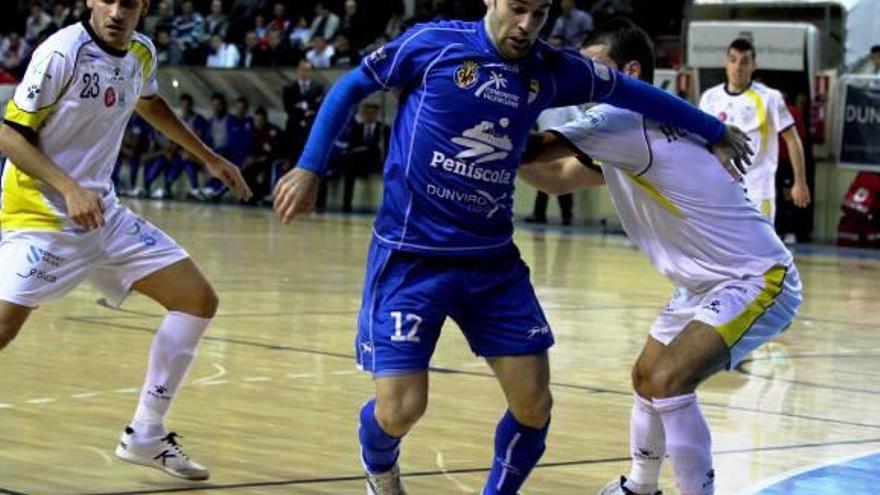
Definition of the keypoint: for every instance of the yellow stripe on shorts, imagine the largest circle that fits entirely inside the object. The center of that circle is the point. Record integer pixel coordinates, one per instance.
(733, 330)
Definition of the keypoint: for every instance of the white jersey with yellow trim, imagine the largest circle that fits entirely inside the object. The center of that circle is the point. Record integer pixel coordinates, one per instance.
(761, 112)
(75, 100)
(675, 201)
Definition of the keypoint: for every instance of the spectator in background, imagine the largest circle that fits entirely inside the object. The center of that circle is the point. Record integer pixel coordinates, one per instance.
(253, 50)
(159, 160)
(367, 142)
(605, 10)
(344, 55)
(218, 140)
(13, 53)
(321, 54)
(217, 22)
(261, 29)
(188, 163)
(874, 67)
(222, 55)
(218, 125)
(257, 169)
(187, 31)
(300, 34)
(166, 49)
(162, 19)
(354, 25)
(394, 26)
(325, 23)
(36, 23)
(79, 10)
(239, 142)
(62, 15)
(279, 22)
(241, 131)
(301, 101)
(573, 25)
(136, 141)
(278, 53)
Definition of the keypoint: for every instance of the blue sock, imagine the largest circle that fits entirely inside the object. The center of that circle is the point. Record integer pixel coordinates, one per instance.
(379, 449)
(517, 449)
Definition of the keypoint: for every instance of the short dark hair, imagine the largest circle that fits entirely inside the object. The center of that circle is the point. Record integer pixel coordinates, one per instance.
(261, 111)
(626, 42)
(875, 49)
(219, 97)
(186, 97)
(743, 45)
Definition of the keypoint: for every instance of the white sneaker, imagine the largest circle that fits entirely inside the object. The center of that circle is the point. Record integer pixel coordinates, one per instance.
(162, 453)
(387, 483)
(158, 194)
(617, 487)
(135, 192)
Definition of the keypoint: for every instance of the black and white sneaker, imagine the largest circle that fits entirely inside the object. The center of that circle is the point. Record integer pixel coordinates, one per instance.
(163, 453)
(618, 487)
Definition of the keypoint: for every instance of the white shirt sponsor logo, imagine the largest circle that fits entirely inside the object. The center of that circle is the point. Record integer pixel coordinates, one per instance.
(482, 143)
(493, 90)
(476, 202)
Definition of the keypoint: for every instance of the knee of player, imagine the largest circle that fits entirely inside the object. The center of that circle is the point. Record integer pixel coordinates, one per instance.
(400, 416)
(204, 303)
(667, 381)
(8, 332)
(535, 411)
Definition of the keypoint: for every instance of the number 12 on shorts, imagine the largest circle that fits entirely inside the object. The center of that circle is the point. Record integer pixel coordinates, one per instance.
(413, 319)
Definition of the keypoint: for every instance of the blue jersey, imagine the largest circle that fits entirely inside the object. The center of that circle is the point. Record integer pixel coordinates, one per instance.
(465, 115)
(464, 118)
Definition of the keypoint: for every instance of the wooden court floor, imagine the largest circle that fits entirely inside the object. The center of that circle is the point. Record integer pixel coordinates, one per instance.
(271, 403)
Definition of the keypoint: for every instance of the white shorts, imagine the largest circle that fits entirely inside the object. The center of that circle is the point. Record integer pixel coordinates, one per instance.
(746, 313)
(37, 267)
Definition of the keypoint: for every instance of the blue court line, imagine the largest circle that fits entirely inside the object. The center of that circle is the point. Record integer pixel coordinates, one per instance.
(857, 474)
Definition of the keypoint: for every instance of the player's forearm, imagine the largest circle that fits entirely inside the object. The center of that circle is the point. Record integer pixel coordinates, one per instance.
(333, 117)
(33, 161)
(661, 106)
(796, 155)
(158, 114)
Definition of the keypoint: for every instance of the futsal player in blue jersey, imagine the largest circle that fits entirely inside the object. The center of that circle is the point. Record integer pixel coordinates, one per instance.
(442, 244)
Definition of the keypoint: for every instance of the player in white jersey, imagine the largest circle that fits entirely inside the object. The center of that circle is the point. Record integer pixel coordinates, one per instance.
(761, 112)
(736, 283)
(61, 221)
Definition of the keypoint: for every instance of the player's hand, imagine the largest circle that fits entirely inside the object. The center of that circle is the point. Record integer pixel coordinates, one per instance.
(733, 150)
(85, 208)
(800, 194)
(296, 194)
(230, 176)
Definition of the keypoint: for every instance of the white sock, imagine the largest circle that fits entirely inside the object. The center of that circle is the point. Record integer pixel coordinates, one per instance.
(172, 353)
(689, 444)
(647, 447)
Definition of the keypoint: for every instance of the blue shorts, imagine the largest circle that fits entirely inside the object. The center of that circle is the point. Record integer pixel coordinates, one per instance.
(408, 296)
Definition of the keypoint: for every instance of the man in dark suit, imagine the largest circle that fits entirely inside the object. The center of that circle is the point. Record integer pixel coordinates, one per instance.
(302, 98)
(367, 143)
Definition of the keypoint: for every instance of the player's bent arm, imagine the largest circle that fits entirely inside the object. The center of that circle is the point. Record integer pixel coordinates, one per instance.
(660, 106)
(30, 159)
(339, 106)
(158, 113)
(562, 176)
